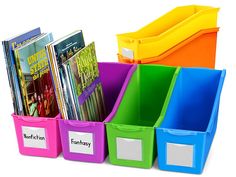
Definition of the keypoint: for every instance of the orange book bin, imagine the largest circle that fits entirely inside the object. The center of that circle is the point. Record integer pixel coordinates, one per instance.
(196, 51)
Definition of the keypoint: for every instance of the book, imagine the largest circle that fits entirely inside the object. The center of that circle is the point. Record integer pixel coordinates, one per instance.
(35, 78)
(85, 84)
(8, 46)
(58, 52)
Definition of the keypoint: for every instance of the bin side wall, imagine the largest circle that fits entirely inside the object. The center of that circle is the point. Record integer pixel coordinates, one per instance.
(112, 77)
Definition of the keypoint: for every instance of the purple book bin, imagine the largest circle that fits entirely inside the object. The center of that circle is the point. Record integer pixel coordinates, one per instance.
(85, 140)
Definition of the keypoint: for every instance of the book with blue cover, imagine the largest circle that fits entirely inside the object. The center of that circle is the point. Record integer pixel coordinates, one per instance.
(35, 78)
(9, 45)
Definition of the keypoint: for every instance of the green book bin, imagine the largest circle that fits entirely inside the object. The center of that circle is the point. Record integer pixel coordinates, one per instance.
(131, 133)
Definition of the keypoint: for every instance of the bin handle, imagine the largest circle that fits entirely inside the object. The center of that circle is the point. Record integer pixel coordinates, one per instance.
(127, 128)
(79, 123)
(127, 40)
(180, 132)
(30, 119)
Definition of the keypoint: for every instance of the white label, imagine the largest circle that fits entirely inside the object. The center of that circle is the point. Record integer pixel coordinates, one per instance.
(127, 53)
(34, 137)
(129, 149)
(179, 154)
(81, 142)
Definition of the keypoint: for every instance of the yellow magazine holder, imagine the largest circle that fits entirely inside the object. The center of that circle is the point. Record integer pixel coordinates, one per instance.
(167, 31)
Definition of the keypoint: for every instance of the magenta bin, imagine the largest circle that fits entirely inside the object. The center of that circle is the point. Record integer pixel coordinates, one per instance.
(85, 140)
(38, 136)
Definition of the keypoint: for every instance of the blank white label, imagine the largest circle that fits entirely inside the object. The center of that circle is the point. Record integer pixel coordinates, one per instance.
(81, 142)
(129, 149)
(34, 137)
(180, 154)
(127, 53)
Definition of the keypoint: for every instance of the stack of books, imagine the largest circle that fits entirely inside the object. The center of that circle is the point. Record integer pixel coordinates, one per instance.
(76, 78)
(47, 76)
(29, 74)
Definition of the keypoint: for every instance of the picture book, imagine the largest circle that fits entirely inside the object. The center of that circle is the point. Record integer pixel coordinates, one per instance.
(58, 52)
(35, 78)
(9, 45)
(86, 85)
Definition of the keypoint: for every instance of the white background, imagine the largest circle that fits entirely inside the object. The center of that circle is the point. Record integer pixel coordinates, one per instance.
(101, 20)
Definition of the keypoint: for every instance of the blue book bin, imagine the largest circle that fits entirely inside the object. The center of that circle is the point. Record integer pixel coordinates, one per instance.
(187, 131)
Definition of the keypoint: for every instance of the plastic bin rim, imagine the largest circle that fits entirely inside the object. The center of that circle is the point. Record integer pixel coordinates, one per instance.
(167, 99)
(180, 132)
(129, 127)
(124, 36)
(216, 101)
(35, 119)
(175, 27)
(172, 49)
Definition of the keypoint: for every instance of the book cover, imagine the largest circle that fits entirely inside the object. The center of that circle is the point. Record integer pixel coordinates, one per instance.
(67, 47)
(9, 45)
(60, 51)
(35, 79)
(86, 83)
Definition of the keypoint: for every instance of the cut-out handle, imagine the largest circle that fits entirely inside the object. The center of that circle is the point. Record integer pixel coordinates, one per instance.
(180, 132)
(128, 128)
(31, 119)
(80, 123)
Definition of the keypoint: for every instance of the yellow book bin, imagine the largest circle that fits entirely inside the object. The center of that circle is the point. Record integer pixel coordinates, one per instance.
(167, 31)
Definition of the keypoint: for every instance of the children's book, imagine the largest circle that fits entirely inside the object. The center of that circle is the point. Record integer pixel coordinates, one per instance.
(35, 78)
(9, 45)
(59, 52)
(85, 83)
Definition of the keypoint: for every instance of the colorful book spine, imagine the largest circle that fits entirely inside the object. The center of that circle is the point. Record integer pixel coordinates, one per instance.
(69, 93)
(61, 51)
(58, 80)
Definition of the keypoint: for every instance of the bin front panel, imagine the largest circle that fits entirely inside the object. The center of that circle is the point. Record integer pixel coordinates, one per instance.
(180, 150)
(83, 141)
(38, 136)
(131, 145)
